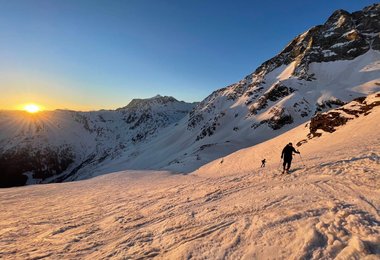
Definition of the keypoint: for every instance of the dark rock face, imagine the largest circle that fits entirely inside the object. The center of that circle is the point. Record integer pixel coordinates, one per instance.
(328, 104)
(207, 106)
(302, 107)
(278, 122)
(210, 128)
(279, 119)
(329, 121)
(277, 92)
(41, 164)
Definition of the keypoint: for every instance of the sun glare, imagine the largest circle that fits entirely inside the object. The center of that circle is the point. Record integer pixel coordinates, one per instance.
(32, 108)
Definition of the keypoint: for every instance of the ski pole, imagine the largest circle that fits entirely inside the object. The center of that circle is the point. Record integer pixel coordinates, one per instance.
(302, 160)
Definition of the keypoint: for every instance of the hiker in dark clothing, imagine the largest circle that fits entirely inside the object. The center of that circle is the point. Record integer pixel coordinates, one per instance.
(287, 155)
(263, 163)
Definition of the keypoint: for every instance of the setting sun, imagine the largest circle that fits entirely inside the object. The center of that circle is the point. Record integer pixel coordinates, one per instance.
(32, 108)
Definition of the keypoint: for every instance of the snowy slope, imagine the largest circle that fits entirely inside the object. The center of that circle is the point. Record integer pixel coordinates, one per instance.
(230, 210)
(356, 125)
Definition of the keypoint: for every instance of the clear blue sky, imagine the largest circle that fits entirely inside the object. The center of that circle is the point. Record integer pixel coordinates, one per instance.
(101, 54)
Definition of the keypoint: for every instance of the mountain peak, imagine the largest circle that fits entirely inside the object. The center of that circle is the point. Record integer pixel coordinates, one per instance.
(338, 13)
(344, 36)
(340, 18)
(374, 7)
(142, 102)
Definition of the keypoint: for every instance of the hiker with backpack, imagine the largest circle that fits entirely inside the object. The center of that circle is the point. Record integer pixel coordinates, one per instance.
(263, 163)
(287, 155)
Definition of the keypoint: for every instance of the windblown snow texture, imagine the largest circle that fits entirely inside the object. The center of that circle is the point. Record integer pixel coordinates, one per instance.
(228, 209)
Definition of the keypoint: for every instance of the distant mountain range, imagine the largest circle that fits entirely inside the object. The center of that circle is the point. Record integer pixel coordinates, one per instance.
(54, 145)
(321, 69)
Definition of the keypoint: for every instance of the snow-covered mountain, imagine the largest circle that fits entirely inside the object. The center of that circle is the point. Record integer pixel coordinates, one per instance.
(327, 208)
(323, 68)
(52, 146)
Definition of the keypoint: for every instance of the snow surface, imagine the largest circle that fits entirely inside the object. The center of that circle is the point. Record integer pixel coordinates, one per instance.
(228, 209)
(328, 53)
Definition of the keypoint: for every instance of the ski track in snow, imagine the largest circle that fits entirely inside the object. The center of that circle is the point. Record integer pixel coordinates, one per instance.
(330, 209)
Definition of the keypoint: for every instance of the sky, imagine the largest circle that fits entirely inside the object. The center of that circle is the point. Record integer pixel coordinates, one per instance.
(100, 54)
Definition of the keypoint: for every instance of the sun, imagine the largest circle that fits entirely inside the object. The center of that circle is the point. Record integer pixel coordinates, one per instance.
(32, 108)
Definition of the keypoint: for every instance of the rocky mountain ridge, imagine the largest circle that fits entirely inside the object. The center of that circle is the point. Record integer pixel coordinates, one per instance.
(344, 36)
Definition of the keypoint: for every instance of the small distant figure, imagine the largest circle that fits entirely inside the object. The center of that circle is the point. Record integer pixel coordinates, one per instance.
(263, 163)
(287, 155)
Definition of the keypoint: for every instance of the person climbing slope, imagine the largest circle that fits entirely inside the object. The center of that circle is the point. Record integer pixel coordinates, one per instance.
(287, 155)
(263, 163)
